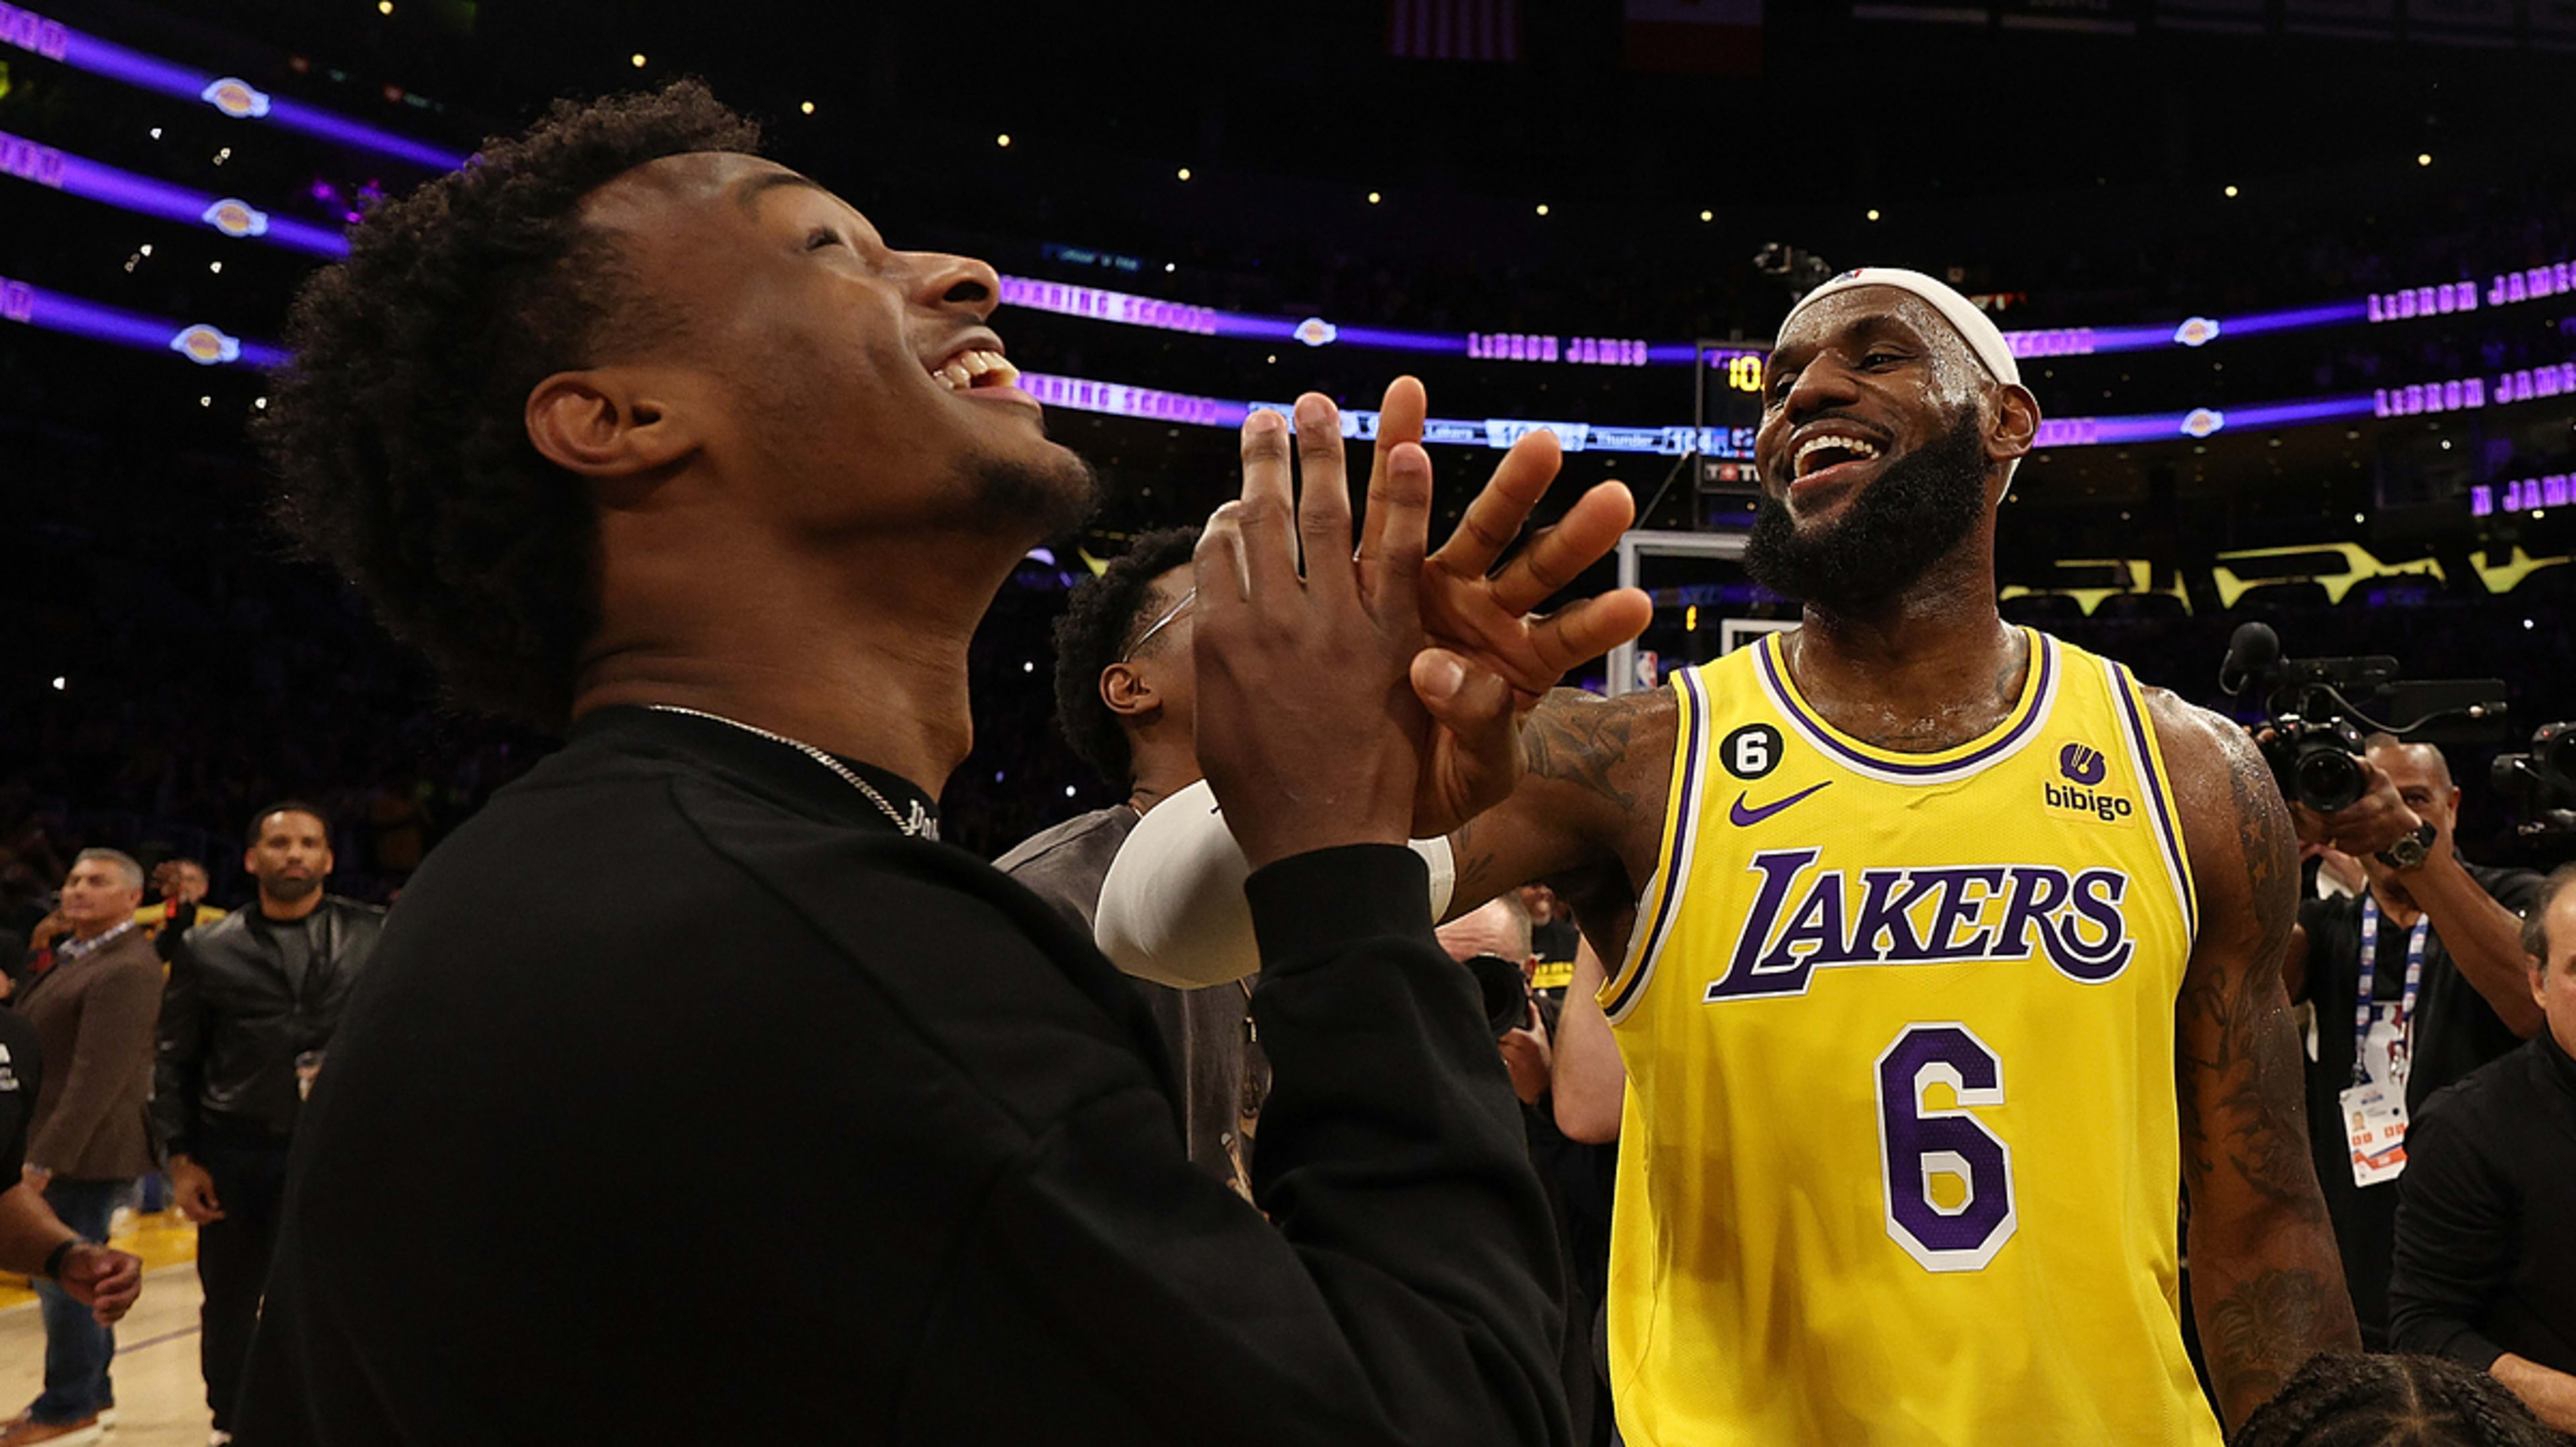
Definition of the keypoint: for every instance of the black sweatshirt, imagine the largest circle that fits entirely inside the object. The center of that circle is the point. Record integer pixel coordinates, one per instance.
(2486, 1216)
(687, 1100)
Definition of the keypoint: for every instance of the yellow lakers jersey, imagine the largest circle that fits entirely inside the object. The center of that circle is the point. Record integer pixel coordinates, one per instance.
(1899, 1161)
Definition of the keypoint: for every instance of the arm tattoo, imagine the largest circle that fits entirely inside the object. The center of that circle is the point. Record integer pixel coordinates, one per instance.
(2254, 1333)
(1477, 871)
(1599, 769)
(2236, 1034)
(1579, 740)
(2267, 1282)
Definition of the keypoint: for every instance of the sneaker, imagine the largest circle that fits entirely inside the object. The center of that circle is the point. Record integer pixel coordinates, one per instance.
(107, 1418)
(219, 1439)
(26, 1431)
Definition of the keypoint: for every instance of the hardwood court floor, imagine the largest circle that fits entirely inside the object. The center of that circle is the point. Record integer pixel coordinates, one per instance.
(161, 1399)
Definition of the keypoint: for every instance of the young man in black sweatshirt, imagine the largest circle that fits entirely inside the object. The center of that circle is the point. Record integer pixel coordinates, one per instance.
(627, 428)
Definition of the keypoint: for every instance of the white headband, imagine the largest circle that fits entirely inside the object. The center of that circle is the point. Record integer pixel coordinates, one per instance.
(1982, 336)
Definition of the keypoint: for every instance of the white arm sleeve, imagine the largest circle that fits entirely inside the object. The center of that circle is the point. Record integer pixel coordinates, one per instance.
(1172, 909)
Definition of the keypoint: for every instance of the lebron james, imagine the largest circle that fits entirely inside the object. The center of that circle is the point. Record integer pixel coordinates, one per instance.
(1944, 957)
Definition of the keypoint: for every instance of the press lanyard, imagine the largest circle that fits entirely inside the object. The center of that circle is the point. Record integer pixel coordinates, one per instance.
(2362, 1008)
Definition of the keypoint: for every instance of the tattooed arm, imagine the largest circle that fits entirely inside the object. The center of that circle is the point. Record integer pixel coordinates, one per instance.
(2267, 1284)
(1594, 775)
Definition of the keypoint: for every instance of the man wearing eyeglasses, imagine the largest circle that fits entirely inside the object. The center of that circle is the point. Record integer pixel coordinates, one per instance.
(1124, 700)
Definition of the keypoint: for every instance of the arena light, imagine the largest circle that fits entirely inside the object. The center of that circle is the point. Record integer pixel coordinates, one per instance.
(207, 345)
(94, 181)
(199, 342)
(41, 35)
(28, 30)
(2404, 304)
(1128, 309)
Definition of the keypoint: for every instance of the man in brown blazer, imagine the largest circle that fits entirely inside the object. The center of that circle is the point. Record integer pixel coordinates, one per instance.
(94, 1010)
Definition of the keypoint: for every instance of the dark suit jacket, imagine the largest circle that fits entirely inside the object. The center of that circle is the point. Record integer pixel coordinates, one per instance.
(94, 1020)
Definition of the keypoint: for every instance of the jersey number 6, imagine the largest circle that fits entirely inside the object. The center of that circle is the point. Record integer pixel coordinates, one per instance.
(1961, 1229)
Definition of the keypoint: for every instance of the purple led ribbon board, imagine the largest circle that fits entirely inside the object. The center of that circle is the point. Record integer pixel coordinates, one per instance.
(1126, 309)
(144, 196)
(53, 40)
(80, 50)
(2523, 494)
(209, 346)
(205, 345)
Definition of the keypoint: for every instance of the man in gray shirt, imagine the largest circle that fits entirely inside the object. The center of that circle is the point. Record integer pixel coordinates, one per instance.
(1123, 697)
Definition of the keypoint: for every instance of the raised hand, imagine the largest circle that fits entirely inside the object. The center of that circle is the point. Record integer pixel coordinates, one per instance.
(1488, 657)
(1308, 729)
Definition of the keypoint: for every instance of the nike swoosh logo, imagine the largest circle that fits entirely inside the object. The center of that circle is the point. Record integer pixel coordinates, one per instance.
(1744, 818)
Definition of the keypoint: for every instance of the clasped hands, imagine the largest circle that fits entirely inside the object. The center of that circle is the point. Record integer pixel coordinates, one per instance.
(1376, 693)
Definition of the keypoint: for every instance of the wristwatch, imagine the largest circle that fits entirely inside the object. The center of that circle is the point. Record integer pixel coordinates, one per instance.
(2411, 849)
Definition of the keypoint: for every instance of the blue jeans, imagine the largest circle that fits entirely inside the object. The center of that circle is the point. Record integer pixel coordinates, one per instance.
(77, 1348)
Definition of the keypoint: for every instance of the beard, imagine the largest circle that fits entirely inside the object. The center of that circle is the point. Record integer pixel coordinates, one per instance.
(1039, 498)
(286, 890)
(1889, 535)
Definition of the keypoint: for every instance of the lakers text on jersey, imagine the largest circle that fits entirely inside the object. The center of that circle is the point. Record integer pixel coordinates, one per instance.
(1899, 1161)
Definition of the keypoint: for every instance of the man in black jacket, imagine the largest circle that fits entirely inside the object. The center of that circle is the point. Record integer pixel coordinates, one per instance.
(2486, 1213)
(250, 1007)
(627, 428)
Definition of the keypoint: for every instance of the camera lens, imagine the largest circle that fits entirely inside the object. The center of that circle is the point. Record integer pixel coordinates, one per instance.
(2328, 778)
(1506, 992)
(2558, 756)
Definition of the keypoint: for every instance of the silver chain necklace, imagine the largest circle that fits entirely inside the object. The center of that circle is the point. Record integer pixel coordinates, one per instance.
(918, 824)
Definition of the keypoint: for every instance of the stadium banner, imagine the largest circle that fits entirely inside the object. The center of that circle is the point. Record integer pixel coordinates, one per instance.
(2461, 22)
(2075, 17)
(2553, 24)
(2358, 19)
(1696, 37)
(1923, 11)
(2231, 17)
(1454, 29)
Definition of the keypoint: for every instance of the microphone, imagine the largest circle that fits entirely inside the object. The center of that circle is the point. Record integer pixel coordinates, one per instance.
(2252, 650)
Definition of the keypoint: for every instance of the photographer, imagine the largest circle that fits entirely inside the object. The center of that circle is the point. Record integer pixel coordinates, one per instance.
(2433, 947)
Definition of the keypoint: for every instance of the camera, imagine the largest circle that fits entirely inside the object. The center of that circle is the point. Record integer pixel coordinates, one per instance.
(2541, 782)
(2318, 709)
(2317, 761)
(1506, 991)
